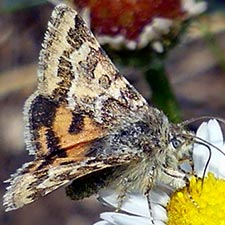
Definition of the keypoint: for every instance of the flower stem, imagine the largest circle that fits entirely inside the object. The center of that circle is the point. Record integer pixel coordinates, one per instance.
(162, 93)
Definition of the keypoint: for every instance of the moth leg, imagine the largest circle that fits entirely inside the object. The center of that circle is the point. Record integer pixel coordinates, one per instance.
(147, 193)
(190, 162)
(187, 181)
(123, 193)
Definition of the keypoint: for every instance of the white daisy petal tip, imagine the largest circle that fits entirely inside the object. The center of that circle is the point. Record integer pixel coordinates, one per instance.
(210, 134)
(102, 222)
(210, 131)
(216, 134)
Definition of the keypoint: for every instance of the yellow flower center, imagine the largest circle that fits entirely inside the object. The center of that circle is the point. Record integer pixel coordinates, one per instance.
(202, 202)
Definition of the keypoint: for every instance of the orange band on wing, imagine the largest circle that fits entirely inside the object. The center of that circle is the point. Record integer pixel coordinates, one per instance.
(60, 138)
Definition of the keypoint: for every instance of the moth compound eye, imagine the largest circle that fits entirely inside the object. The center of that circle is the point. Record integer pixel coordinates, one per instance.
(175, 143)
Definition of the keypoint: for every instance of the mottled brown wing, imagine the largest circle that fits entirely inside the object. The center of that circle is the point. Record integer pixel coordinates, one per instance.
(81, 98)
(40, 177)
(76, 77)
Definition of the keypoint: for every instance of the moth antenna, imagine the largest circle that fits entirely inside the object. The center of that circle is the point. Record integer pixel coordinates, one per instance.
(207, 143)
(189, 121)
(207, 162)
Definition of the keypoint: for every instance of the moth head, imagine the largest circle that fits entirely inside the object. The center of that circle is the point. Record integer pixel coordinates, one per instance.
(179, 149)
(171, 155)
(183, 144)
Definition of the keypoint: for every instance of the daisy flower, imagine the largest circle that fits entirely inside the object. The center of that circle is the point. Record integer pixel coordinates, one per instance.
(135, 24)
(202, 202)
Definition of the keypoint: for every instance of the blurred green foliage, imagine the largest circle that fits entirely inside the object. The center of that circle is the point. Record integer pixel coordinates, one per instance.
(8, 6)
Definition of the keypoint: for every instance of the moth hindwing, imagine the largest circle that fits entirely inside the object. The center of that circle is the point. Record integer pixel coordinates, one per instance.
(85, 117)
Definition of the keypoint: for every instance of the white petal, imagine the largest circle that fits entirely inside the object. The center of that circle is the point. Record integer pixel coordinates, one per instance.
(159, 196)
(158, 46)
(200, 154)
(215, 133)
(103, 222)
(212, 133)
(137, 203)
(123, 219)
(193, 7)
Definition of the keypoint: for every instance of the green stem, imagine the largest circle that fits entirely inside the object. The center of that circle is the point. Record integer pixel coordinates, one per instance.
(13, 6)
(162, 93)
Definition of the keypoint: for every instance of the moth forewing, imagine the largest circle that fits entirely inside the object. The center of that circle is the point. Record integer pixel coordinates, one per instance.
(85, 117)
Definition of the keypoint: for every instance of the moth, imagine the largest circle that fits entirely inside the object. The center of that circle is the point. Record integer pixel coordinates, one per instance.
(85, 123)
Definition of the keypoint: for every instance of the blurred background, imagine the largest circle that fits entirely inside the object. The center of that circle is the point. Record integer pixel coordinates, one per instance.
(195, 69)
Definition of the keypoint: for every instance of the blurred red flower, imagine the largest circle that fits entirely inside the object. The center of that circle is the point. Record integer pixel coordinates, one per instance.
(127, 21)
